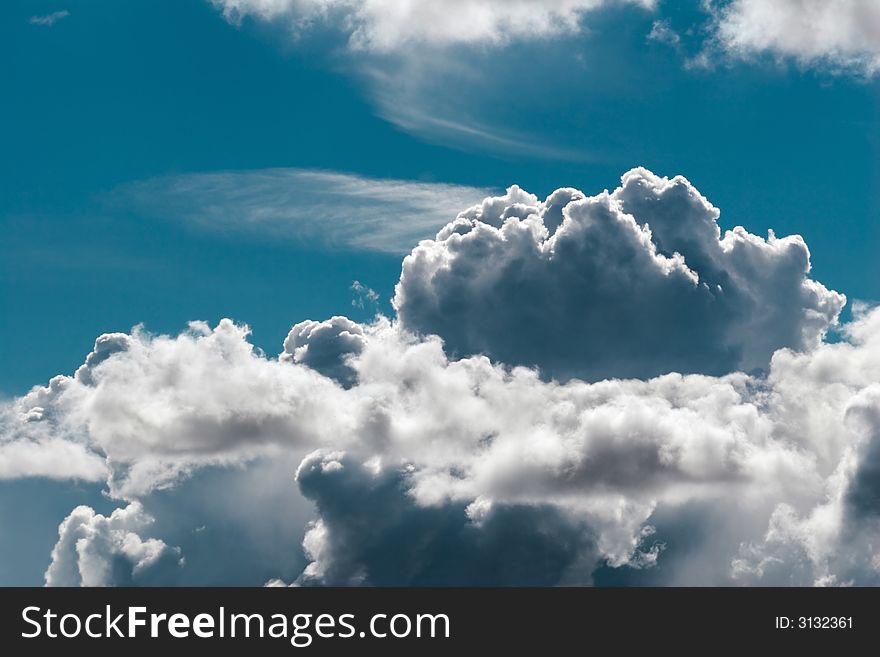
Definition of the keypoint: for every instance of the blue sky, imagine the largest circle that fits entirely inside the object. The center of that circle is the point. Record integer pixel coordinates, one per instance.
(163, 163)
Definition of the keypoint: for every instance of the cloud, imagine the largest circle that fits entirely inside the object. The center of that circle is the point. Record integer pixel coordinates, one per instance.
(363, 295)
(94, 550)
(427, 458)
(334, 210)
(632, 283)
(30, 447)
(638, 476)
(251, 509)
(165, 406)
(837, 34)
(428, 467)
(389, 25)
(440, 69)
(833, 542)
(52, 458)
(372, 532)
(49, 20)
(663, 32)
(326, 346)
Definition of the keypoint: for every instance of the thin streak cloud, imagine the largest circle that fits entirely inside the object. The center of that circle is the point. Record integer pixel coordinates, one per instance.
(48, 20)
(326, 209)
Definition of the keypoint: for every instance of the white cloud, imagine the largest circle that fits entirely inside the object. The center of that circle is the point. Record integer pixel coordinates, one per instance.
(52, 458)
(427, 468)
(326, 346)
(637, 282)
(663, 32)
(463, 454)
(480, 454)
(163, 407)
(363, 296)
(330, 209)
(29, 446)
(841, 34)
(48, 20)
(388, 25)
(97, 550)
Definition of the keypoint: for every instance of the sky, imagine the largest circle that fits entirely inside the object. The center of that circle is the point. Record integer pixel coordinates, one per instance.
(274, 161)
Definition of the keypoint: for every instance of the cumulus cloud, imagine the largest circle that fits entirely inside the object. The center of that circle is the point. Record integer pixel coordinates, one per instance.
(52, 458)
(31, 447)
(834, 542)
(417, 465)
(163, 406)
(718, 480)
(336, 210)
(325, 346)
(97, 550)
(636, 282)
(840, 34)
(428, 458)
(370, 531)
(387, 25)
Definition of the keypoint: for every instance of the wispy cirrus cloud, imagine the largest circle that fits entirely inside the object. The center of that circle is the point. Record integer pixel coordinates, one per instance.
(412, 93)
(324, 208)
(427, 65)
(48, 20)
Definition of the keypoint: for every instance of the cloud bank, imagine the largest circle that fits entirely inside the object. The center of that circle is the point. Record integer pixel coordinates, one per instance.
(402, 461)
(840, 34)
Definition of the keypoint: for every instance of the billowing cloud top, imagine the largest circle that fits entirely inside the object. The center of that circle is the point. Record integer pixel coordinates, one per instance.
(632, 283)
(420, 466)
(325, 346)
